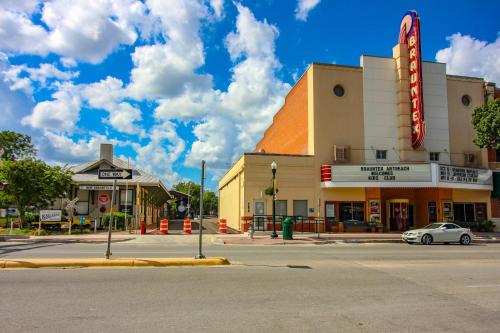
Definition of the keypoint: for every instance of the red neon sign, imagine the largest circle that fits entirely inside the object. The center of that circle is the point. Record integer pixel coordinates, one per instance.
(410, 35)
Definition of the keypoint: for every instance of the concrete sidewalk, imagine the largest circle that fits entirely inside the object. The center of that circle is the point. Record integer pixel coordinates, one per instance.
(262, 238)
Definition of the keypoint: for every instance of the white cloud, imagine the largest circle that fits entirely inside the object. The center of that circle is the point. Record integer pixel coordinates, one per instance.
(164, 148)
(241, 113)
(304, 7)
(59, 114)
(218, 8)
(80, 29)
(22, 77)
(469, 56)
(108, 94)
(161, 71)
(58, 148)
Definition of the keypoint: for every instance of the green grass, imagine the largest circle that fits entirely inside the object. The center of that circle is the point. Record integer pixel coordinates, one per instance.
(15, 231)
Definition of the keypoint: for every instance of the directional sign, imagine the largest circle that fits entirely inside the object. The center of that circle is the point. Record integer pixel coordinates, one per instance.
(115, 174)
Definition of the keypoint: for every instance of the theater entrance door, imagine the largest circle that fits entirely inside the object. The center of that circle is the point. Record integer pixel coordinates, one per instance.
(397, 214)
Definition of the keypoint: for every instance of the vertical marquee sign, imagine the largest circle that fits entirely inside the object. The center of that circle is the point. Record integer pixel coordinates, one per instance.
(410, 35)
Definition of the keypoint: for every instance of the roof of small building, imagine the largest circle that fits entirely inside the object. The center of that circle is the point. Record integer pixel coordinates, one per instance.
(87, 173)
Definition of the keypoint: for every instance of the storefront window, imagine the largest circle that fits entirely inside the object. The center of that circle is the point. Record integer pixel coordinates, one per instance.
(281, 207)
(349, 211)
(469, 212)
(299, 207)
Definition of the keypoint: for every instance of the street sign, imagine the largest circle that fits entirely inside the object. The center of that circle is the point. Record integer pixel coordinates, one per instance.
(50, 216)
(70, 204)
(115, 174)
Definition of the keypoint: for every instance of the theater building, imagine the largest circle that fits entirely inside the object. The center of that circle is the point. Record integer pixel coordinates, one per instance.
(388, 141)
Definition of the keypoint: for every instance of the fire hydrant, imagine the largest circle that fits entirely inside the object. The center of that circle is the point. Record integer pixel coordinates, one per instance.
(250, 232)
(143, 228)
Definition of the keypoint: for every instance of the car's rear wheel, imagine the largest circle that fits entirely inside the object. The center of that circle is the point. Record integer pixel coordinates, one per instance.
(465, 240)
(427, 239)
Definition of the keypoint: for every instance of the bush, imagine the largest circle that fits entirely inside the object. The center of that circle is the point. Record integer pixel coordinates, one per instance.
(488, 226)
(31, 217)
(118, 218)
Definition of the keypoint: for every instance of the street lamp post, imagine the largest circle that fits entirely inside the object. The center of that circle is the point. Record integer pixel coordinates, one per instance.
(274, 166)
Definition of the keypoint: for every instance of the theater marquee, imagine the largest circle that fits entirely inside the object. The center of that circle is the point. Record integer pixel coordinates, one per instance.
(410, 35)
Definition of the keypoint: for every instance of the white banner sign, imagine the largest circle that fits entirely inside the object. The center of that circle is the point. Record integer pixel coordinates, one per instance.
(50, 216)
(454, 174)
(98, 187)
(382, 173)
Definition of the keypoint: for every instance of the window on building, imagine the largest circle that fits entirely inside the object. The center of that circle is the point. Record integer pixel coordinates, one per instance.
(126, 201)
(281, 207)
(349, 211)
(381, 154)
(82, 205)
(338, 90)
(300, 208)
(432, 209)
(466, 100)
(497, 157)
(464, 212)
(434, 156)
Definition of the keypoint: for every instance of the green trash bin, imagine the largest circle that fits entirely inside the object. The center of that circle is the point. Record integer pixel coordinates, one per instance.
(287, 228)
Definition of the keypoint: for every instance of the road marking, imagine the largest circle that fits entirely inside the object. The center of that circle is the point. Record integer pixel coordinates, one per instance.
(484, 286)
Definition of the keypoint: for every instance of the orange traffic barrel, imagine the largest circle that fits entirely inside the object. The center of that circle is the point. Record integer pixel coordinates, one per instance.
(164, 226)
(187, 226)
(222, 226)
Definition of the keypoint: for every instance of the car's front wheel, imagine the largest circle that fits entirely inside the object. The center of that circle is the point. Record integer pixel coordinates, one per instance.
(427, 239)
(465, 240)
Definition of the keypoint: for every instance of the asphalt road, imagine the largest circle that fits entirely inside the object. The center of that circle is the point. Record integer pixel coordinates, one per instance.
(274, 288)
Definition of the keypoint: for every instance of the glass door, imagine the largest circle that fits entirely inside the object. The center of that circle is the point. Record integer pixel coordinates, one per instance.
(397, 215)
(259, 215)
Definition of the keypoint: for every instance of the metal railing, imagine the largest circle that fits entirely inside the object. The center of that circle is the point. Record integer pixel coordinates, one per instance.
(300, 223)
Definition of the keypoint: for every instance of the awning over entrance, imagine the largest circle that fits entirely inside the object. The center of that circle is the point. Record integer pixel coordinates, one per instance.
(406, 176)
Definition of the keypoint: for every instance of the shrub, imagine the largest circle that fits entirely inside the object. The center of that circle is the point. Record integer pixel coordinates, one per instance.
(118, 218)
(36, 232)
(31, 217)
(488, 226)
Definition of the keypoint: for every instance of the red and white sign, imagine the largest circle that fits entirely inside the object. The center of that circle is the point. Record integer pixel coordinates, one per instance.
(103, 199)
(2, 186)
(410, 35)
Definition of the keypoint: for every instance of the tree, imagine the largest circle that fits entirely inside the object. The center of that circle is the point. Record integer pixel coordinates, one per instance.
(16, 146)
(193, 190)
(210, 200)
(32, 183)
(486, 121)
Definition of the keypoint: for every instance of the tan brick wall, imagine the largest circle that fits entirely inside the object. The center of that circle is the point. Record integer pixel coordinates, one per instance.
(288, 132)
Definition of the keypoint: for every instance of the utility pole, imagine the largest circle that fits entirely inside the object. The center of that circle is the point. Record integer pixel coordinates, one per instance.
(200, 254)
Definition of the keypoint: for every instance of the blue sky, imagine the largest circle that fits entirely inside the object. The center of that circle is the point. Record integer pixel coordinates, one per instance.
(173, 82)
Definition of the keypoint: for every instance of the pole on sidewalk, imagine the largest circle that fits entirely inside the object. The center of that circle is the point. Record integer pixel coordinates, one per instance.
(200, 253)
(111, 211)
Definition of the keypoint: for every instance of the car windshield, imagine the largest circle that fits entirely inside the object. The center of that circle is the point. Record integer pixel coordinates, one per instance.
(433, 226)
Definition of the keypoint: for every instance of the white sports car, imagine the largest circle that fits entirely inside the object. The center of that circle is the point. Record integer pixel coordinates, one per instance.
(439, 233)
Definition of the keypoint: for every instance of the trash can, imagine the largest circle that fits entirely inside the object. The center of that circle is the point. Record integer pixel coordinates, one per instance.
(287, 228)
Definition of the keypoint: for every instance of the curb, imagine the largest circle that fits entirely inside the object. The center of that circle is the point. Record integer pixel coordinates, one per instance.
(70, 240)
(119, 262)
(6, 238)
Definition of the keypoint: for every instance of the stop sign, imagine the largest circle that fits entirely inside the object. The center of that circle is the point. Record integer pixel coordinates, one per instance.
(103, 199)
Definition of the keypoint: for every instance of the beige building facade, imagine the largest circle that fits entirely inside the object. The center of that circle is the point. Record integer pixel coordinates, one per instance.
(342, 143)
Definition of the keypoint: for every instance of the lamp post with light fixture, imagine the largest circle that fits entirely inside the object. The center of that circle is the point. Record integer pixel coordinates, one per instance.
(274, 167)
